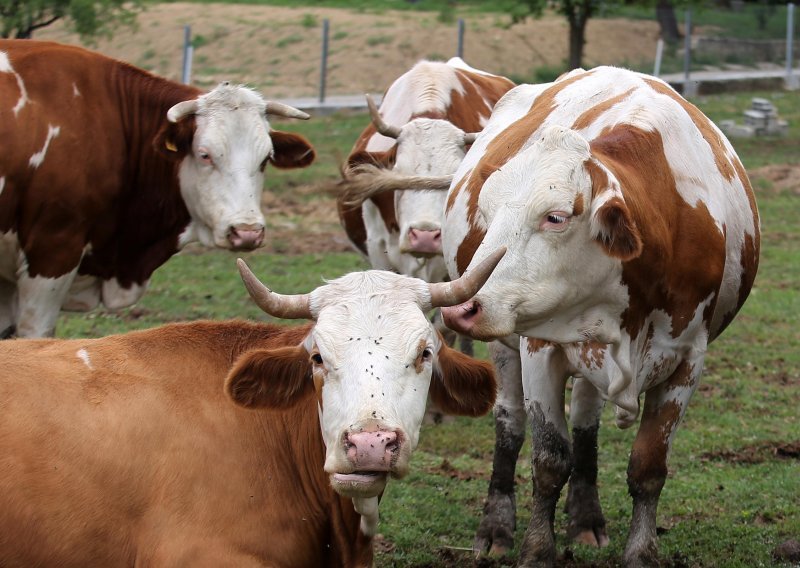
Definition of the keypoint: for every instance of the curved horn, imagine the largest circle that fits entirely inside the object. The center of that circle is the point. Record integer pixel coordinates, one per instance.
(280, 109)
(470, 137)
(183, 108)
(445, 294)
(288, 307)
(385, 129)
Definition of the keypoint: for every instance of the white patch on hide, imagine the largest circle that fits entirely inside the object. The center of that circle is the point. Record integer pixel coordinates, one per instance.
(37, 159)
(83, 355)
(5, 67)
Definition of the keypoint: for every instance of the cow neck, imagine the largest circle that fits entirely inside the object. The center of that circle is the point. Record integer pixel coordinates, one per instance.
(150, 213)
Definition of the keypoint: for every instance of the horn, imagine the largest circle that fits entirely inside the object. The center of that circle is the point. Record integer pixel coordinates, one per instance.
(385, 129)
(280, 109)
(287, 307)
(470, 137)
(182, 109)
(444, 294)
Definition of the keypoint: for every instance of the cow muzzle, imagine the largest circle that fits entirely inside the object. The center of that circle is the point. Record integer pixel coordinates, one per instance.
(423, 243)
(372, 454)
(245, 236)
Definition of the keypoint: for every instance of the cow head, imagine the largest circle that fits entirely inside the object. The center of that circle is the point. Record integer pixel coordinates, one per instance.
(424, 147)
(224, 141)
(566, 225)
(372, 356)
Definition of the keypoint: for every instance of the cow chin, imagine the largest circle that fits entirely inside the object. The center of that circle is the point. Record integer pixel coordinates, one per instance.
(360, 484)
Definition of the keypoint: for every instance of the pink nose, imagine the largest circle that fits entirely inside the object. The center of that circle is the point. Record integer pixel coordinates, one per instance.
(246, 237)
(462, 318)
(372, 451)
(425, 242)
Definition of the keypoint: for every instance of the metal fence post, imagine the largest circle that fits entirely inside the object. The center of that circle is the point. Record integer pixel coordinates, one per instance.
(791, 81)
(323, 72)
(188, 51)
(659, 55)
(460, 49)
(689, 89)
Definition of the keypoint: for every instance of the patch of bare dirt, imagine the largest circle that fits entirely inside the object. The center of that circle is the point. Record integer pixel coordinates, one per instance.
(781, 177)
(758, 453)
(277, 49)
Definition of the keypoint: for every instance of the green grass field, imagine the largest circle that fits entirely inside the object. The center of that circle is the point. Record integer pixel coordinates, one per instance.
(733, 493)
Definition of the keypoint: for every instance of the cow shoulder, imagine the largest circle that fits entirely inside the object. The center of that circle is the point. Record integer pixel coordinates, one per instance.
(462, 385)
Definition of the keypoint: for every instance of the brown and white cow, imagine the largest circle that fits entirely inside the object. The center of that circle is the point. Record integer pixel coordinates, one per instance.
(112, 170)
(633, 240)
(426, 120)
(127, 450)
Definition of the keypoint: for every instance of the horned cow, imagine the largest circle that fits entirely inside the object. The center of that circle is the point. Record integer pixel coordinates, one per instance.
(112, 170)
(633, 240)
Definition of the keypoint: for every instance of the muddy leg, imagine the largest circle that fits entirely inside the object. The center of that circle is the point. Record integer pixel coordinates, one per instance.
(586, 522)
(496, 530)
(664, 407)
(544, 377)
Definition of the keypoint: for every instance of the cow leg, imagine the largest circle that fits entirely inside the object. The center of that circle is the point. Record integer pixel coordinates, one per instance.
(664, 407)
(586, 522)
(544, 378)
(496, 530)
(8, 309)
(40, 300)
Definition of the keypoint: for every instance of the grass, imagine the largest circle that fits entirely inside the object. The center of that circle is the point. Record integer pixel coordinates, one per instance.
(731, 496)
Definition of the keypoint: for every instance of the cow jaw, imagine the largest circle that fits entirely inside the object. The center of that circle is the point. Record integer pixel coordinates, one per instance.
(222, 178)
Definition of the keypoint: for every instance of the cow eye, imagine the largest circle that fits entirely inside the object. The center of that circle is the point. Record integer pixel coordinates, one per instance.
(316, 358)
(205, 157)
(427, 353)
(555, 221)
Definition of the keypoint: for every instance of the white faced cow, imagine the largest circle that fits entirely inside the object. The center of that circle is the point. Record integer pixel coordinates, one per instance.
(633, 240)
(112, 170)
(127, 450)
(427, 119)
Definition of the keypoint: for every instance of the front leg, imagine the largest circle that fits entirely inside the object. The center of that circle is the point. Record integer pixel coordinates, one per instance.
(586, 522)
(40, 299)
(496, 530)
(664, 407)
(544, 377)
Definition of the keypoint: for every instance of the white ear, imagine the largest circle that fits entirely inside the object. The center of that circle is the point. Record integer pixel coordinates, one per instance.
(613, 227)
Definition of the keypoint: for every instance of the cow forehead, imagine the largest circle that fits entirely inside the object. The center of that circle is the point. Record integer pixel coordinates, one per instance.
(231, 97)
(370, 304)
(538, 179)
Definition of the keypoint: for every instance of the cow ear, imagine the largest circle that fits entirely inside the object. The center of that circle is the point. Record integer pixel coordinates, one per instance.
(270, 378)
(290, 150)
(613, 227)
(174, 139)
(462, 385)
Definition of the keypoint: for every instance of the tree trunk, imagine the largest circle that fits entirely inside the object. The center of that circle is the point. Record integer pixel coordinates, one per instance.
(667, 23)
(578, 14)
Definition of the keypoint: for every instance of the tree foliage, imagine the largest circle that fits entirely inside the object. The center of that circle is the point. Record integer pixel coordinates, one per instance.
(89, 18)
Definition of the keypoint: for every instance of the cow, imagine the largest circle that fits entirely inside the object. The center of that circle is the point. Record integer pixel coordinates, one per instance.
(426, 120)
(633, 240)
(228, 443)
(112, 170)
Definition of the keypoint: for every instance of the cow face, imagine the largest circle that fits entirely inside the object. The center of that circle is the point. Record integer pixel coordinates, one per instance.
(425, 147)
(565, 233)
(372, 357)
(224, 145)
